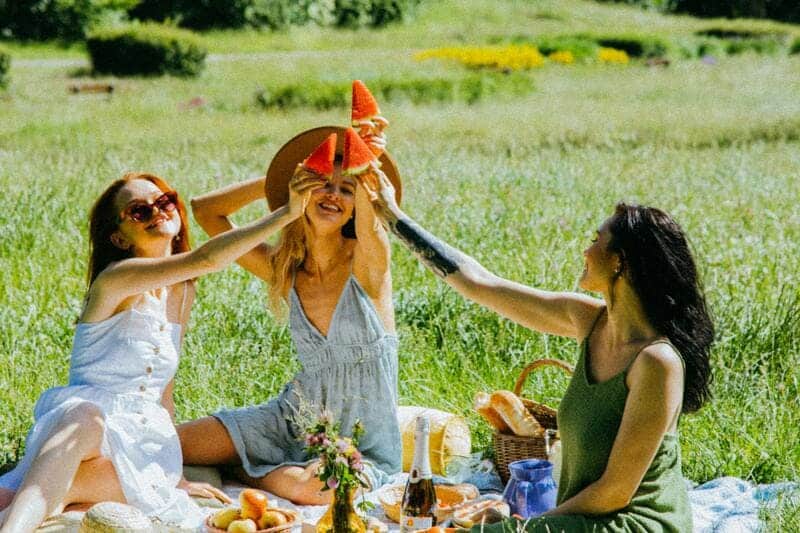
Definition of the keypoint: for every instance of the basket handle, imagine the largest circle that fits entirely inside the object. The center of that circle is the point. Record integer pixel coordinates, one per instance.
(538, 364)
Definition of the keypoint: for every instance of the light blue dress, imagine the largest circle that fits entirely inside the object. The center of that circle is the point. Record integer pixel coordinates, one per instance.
(352, 373)
(122, 365)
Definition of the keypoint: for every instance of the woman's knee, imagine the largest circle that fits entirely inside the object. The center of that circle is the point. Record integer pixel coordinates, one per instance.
(206, 441)
(6, 496)
(87, 422)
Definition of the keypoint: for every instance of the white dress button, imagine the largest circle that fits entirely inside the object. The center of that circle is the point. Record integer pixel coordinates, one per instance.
(142, 388)
(156, 350)
(149, 369)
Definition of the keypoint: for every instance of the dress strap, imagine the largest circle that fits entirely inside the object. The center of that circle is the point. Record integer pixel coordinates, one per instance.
(182, 313)
(594, 324)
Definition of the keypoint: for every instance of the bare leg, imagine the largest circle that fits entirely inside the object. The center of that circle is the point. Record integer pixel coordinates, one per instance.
(95, 481)
(205, 441)
(297, 484)
(77, 438)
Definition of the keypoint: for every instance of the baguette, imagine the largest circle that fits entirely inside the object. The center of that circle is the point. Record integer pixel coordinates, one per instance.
(489, 414)
(514, 414)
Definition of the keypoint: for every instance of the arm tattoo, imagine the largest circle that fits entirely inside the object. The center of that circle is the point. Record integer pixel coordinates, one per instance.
(441, 258)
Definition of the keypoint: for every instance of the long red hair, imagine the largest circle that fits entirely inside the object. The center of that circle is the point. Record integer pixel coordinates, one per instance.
(103, 222)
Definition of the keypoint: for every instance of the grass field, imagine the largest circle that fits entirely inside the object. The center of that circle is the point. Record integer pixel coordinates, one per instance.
(519, 183)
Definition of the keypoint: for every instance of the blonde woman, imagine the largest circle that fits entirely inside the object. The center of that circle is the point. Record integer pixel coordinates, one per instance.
(331, 268)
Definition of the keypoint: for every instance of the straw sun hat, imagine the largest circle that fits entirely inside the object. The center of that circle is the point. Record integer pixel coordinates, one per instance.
(298, 148)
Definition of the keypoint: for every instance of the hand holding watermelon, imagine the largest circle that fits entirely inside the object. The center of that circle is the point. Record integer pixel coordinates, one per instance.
(300, 186)
(379, 189)
(366, 117)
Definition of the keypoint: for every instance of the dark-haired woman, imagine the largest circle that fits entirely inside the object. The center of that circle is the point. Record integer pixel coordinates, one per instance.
(108, 434)
(643, 360)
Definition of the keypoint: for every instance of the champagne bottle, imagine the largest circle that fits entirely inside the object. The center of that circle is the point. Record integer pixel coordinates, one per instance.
(419, 498)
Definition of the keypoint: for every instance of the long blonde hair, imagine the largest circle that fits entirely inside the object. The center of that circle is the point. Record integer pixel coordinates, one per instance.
(284, 261)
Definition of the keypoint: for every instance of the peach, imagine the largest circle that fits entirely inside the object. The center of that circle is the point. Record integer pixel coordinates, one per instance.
(242, 526)
(254, 503)
(223, 518)
(272, 518)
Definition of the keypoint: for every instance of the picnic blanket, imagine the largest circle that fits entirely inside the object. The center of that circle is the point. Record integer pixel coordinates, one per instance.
(723, 505)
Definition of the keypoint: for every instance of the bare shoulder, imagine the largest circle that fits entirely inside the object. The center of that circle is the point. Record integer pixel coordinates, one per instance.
(657, 361)
(585, 312)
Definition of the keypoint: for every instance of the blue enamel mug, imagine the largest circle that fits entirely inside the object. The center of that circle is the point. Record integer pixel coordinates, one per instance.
(531, 489)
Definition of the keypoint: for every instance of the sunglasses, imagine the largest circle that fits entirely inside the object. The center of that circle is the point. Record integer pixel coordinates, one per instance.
(139, 211)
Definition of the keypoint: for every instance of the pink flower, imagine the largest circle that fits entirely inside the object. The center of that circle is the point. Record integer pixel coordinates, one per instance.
(332, 483)
(342, 445)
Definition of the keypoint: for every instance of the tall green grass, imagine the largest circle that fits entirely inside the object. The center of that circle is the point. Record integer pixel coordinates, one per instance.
(518, 183)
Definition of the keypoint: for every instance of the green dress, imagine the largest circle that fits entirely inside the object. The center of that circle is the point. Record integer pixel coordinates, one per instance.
(588, 419)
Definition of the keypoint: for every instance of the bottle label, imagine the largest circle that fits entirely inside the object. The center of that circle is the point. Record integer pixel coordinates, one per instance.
(414, 523)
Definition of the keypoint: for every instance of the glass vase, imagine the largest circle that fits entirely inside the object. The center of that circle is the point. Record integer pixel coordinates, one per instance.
(341, 516)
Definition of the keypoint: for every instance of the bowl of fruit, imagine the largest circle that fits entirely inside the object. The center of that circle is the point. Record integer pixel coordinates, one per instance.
(255, 515)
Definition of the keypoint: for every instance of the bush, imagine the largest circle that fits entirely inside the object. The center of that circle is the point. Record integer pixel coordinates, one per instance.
(635, 45)
(795, 48)
(57, 19)
(581, 49)
(5, 65)
(146, 49)
(328, 95)
(759, 46)
(275, 14)
(786, 10)
(710, 47)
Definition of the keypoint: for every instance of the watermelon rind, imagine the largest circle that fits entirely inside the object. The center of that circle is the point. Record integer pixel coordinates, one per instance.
(355, 146)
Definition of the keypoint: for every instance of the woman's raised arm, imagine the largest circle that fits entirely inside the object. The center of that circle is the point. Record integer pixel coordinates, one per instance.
(140, 274)
(212, 211)
(567, 314)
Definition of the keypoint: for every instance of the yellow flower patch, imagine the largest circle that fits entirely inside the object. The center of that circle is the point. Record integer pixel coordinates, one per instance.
(612, 55)
(514, 57)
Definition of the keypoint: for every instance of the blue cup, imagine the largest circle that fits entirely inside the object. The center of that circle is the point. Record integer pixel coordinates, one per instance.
(531, 489)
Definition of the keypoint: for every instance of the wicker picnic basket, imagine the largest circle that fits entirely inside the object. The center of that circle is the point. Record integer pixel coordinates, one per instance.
(510, 448)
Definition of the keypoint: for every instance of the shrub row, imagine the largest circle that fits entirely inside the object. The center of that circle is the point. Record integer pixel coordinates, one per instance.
(204, 14)
(74, 19)
(58, 19)
(715, 40)
(146, 49)
(327, 95)
(785, 10)
(5, 65)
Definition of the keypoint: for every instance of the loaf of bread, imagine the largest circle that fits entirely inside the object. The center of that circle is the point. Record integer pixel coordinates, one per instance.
(484, 408)
(513, 412)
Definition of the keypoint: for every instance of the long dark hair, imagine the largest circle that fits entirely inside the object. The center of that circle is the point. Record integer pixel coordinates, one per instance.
(658, 263)
(103, 223)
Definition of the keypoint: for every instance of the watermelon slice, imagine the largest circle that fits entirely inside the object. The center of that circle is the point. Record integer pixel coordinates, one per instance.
(357, 155)
(321, 159)
(365, 107)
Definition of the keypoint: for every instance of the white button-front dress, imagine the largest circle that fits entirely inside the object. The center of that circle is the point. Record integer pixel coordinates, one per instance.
(122, 365)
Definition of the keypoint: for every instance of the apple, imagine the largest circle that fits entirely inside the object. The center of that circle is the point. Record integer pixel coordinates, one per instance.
(242, 526)
(254, 503)
(272, 519)
(223, 518)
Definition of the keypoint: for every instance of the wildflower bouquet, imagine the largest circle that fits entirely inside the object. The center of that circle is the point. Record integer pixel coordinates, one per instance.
(341, 468)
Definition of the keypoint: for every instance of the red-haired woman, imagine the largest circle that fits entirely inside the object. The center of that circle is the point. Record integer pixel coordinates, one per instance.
(109, 434)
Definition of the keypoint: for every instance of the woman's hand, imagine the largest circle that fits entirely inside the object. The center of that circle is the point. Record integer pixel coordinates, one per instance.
(372, 133)
(203, 490)
(380, 190)
(300, 186)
